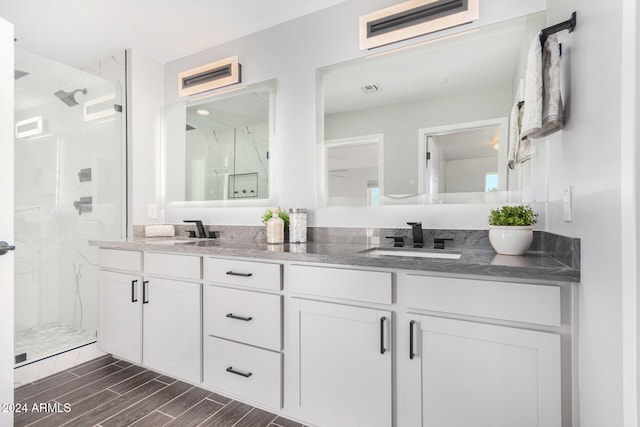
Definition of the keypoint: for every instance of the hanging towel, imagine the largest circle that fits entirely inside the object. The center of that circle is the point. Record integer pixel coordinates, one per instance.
(520, 150)
(543, 109)
(532, 108)
(552, 108)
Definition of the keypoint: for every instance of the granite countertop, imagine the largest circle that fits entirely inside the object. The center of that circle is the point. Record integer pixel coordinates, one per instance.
(534, 265)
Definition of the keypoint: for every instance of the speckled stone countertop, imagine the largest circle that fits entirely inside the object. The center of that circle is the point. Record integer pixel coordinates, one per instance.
(534, 265)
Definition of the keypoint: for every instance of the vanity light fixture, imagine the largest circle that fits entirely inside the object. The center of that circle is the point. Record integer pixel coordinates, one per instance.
(209, 76)
(414, 18)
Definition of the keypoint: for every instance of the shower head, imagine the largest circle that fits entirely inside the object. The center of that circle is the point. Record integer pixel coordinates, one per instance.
(69, 97)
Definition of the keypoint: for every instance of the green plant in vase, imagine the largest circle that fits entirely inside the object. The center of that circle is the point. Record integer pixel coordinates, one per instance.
(511, 229)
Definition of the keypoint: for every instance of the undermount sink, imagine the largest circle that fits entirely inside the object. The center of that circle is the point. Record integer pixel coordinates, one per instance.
(169, 242)
(413, 252)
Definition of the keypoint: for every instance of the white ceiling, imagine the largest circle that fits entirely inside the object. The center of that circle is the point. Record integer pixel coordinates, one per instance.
(80, 32)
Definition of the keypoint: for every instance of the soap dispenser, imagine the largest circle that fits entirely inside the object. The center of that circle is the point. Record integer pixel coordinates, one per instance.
(275, 228)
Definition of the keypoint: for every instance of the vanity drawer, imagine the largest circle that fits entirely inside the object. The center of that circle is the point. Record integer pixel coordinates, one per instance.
(250, 317)
(119, 259)
(260, 275)
(245, 371)
(359, 285)
(539, 304)
(183, 266)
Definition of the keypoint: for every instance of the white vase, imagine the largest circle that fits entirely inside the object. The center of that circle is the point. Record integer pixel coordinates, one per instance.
(510, 240)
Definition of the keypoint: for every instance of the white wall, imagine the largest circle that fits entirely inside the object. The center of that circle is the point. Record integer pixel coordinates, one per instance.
(468, 174)
(588, 155)
(146, 79)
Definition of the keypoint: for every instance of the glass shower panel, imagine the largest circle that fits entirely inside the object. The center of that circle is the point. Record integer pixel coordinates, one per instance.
(69, 189)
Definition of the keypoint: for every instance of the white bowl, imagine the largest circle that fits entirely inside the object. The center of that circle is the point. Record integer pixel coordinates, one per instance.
(510, 240)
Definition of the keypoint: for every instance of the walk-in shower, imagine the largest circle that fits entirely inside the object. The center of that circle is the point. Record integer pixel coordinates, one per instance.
(69, 189)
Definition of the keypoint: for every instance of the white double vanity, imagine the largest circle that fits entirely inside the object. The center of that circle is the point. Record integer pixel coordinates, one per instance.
(335, 339)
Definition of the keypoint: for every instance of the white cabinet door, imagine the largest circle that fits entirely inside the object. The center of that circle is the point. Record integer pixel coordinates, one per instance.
(472, 374)
(172, 332)
(120, 317)
(345, 364)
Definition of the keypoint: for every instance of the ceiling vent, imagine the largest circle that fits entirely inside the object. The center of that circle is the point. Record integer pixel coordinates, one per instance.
(210, 76)
(414, 18)
(371, 88)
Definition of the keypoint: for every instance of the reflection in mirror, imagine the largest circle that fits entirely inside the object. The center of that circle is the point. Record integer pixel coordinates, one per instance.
(449, 98)
(354, 171)
(218, 147)
(460, 163)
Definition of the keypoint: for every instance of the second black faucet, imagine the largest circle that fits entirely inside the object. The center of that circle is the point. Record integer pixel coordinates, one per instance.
(417, 234)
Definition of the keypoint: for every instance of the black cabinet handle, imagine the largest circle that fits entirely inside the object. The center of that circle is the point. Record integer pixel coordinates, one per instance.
(242, 374)
(145, 299)
(382, 349)
(133, 291)
(233, 316)
(411, 353)
(233, 273)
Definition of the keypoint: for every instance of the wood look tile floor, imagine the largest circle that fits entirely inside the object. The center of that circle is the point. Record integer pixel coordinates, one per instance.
(109, 392)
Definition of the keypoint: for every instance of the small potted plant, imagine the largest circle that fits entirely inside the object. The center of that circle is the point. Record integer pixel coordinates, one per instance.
(511, 229)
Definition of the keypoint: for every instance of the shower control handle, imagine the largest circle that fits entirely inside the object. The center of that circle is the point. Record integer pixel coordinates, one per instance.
(5, 247)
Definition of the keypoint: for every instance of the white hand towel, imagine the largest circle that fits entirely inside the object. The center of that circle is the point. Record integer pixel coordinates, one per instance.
(552, 108)
(520, 150)
(159, 230)
(543, 109)
(532, 114)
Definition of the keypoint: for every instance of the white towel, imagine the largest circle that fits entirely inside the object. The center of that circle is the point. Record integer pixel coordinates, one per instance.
(159, 231)
(543, 110)
(552, 108)
(520, 150)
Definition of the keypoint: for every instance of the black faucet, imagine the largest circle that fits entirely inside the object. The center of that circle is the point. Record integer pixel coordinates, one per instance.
(201, 231)
(438, 242)
(417, 234)
(398, 241)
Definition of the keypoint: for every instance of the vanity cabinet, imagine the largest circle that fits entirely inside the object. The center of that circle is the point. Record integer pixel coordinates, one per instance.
(119, 296)
(152, 317)
(482, 353)
(119, 319)
(344, 351)
(242, 329)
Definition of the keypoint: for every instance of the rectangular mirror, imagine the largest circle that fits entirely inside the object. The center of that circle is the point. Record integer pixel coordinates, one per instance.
(436, 115)
(218, 148)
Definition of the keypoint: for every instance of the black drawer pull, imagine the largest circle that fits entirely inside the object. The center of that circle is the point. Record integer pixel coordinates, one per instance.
(382, 349)
(233, 273)
(242, 374)
(145, 296)
(411, 353)
(233, 316)
(133, 291)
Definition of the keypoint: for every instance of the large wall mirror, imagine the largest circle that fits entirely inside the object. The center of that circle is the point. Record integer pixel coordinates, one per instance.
(218, 148)
(429, 123)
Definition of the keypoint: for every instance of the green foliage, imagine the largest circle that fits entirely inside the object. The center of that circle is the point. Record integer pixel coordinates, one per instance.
(282, 214)
(513, 215)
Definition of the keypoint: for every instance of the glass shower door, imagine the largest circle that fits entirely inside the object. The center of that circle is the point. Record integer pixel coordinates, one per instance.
(69, 189)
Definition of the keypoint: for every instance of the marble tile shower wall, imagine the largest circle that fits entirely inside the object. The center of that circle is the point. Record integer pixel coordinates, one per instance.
(564, 249)
(56, 269)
